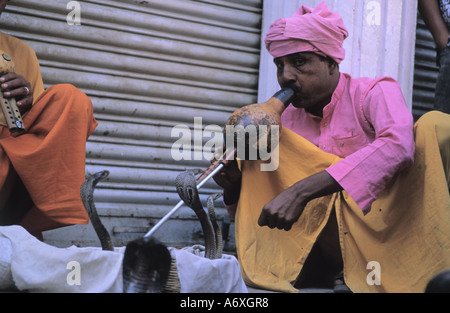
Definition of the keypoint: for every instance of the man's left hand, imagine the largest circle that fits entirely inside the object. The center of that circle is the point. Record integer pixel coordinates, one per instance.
(286, 209)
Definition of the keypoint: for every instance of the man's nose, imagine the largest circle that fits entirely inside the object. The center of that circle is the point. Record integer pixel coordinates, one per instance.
(286, 76)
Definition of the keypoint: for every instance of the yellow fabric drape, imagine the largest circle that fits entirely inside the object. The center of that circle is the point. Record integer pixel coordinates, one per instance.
(406, 232)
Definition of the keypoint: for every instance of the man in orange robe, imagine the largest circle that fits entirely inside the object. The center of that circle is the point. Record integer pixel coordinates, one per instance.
(41, 171)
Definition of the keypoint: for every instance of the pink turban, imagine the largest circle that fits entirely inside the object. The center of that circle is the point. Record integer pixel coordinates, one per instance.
(309, 30)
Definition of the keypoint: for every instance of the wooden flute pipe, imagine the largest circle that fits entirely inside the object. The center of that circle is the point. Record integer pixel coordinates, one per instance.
(8, 105)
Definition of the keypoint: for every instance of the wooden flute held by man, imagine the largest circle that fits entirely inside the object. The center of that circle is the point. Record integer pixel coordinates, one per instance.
(9, 107)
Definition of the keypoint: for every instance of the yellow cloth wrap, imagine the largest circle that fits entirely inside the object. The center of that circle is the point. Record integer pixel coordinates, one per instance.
(406, 232)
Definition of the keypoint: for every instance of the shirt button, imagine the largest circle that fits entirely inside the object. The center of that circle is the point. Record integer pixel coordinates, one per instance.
(325, 125)
(342, 144)
(324, 147)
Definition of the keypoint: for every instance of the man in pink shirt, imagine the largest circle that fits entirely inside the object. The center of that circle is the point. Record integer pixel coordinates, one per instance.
(365, 121)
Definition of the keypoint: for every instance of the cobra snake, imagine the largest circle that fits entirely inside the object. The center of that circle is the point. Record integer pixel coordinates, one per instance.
(187, 190)
(147, 264)
(87, 196)
(216, 227)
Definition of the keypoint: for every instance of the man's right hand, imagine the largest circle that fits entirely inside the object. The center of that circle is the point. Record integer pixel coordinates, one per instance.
(229, 178)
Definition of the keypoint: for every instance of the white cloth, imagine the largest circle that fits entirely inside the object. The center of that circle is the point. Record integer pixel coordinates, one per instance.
(200, 275)
(6, 279)
(29, 264)
(38, 267)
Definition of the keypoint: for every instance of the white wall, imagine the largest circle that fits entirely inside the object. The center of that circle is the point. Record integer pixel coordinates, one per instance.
(381, 41)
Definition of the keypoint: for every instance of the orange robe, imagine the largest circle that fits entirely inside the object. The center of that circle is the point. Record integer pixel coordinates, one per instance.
(49, 159)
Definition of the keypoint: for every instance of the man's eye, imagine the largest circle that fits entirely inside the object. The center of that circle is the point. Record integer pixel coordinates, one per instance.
(299, 62)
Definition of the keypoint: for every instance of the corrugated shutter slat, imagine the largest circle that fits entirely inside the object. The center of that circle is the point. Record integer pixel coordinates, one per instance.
(425, 71)
(148, 66)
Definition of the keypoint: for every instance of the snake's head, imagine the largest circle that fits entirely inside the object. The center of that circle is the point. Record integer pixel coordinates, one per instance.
(187, 188)
(100, 176)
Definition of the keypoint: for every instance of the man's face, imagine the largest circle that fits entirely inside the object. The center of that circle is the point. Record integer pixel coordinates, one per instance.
(311, 78)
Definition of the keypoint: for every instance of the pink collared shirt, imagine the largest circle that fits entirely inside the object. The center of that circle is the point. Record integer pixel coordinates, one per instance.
(369, 125)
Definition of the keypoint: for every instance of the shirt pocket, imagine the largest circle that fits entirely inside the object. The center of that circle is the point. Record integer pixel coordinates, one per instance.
(346, 145)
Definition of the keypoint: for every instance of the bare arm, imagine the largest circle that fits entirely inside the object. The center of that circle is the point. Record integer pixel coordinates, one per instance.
(431, 14)
(283, 211)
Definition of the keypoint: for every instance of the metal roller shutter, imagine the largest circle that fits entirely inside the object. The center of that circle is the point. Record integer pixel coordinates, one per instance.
(147, 66)
(425, 71)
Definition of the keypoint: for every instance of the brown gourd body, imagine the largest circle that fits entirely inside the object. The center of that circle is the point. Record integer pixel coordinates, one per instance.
(261, 117)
